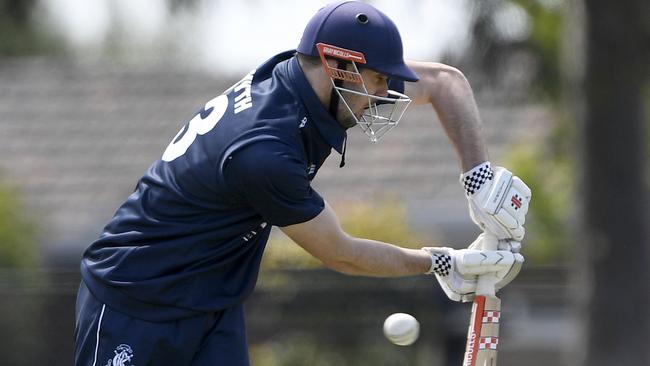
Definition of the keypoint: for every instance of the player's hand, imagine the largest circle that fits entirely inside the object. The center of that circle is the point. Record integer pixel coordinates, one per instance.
(498, 201)
(457, 271)
(503, 244)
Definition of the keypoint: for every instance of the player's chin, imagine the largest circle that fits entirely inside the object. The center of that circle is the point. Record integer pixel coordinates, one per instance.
(349, 123)
(360, 113)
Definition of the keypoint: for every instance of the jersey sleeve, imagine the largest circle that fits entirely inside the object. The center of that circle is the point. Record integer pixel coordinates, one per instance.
(274, 181)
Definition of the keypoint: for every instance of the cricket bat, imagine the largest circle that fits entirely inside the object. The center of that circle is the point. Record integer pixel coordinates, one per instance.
(483, 331)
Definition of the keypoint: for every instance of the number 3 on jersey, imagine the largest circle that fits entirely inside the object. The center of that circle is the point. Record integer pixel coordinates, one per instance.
(202, 123)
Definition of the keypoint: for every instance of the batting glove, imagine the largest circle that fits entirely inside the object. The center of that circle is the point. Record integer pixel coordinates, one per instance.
(498, 201)
(457, 271)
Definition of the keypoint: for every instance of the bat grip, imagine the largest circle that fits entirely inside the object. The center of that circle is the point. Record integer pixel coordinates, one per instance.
(486, 282)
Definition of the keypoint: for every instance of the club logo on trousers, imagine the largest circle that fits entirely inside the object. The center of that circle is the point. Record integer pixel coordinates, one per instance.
(123, 356)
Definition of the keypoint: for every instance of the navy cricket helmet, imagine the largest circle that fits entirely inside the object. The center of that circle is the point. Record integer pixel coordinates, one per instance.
(359, 27)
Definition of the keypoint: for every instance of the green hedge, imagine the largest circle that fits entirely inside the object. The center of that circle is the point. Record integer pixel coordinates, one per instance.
(18, 232)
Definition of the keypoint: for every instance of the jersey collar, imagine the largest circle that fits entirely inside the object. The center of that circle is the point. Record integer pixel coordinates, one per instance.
(327, 126)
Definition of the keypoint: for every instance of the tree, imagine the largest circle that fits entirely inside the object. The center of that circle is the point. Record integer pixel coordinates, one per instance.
(18, 33)
(18, 232)
(614, 193)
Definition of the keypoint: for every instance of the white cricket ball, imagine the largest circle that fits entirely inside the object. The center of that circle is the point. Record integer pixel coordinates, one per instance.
(402, 329)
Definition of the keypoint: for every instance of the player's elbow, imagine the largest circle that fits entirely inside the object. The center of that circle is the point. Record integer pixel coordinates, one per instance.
(453, 80)
(442, 82)
(454, 74)
(453, 90)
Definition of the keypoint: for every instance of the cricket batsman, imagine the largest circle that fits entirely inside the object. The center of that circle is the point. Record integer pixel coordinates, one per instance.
(165, 282)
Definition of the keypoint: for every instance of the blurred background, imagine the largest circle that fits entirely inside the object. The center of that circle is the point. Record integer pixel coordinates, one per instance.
(91, 92)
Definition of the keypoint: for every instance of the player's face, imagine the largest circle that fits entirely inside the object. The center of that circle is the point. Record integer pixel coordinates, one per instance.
(375, 83)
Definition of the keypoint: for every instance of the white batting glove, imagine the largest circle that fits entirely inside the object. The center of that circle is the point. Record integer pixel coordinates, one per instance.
(498, 201)
(457, 271)
(510, 245)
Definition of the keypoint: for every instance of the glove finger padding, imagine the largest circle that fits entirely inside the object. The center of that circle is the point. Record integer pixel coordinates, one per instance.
(502, 225)
(479, 262)
(457, 271)
(498, 201)
(513, 246)
(509, 245)
(510, 275)
(512, 214)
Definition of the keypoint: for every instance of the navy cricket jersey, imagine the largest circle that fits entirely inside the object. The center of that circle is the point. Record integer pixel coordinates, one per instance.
(191, 236)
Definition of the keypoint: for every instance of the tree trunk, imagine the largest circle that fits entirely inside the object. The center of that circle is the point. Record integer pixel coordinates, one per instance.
(614, 192)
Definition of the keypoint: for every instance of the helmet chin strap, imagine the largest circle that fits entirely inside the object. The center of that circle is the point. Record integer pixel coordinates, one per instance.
(334, 107)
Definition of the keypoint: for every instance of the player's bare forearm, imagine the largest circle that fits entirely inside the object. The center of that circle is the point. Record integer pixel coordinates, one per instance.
(451, 95)
(378, 259)
(323, 238)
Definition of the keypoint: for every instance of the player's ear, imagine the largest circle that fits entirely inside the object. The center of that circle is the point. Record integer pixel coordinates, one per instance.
(331, 62)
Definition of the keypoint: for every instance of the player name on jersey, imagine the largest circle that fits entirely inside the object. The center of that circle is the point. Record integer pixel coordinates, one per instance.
(243, 100)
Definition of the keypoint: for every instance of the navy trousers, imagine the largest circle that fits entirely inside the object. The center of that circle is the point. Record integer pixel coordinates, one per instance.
(105, 337)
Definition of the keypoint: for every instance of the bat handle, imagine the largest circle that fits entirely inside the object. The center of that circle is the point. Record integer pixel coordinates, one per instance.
(483, 331)
(485, 285)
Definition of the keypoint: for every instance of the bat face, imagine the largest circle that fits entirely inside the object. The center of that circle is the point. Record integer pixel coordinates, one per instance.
(483, 332)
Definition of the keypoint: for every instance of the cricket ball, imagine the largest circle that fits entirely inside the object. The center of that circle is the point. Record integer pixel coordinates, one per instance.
(402, 329)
